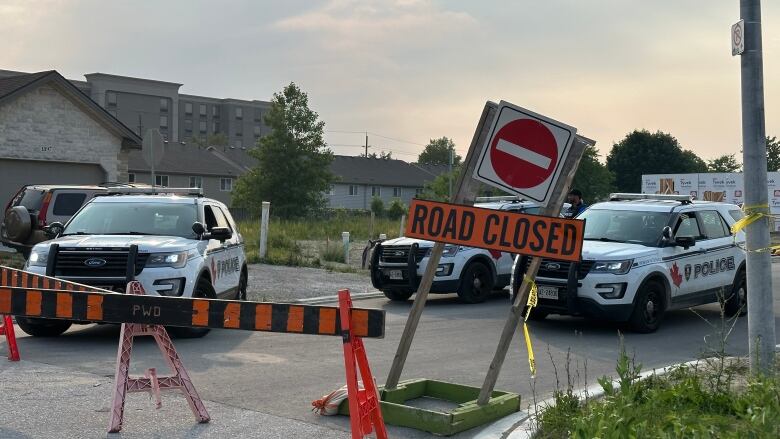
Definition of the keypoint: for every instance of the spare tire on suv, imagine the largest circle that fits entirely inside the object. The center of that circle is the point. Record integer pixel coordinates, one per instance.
(18, 223)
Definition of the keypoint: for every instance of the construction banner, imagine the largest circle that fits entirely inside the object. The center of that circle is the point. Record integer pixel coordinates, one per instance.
(510, 232)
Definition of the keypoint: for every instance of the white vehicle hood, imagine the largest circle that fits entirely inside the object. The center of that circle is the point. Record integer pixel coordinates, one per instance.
(605, 251)
(145, 243)
(408, 241)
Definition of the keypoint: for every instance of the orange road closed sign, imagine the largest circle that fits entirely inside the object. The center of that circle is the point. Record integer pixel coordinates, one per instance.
(532, 235)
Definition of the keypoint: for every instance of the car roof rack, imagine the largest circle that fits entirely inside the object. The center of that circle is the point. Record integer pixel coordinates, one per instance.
(621, 196)
(508, 198)
(192, 191)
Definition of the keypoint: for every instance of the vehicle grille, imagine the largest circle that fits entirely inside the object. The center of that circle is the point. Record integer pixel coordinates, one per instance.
(399, 254)
(560, 269)
(70, 262)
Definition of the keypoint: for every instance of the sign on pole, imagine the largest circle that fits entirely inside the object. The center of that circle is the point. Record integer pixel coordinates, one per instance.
(524, 153)
(504, 231)
(738, 38)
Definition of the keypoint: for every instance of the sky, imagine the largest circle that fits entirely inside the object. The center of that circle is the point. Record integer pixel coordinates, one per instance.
(407, 71)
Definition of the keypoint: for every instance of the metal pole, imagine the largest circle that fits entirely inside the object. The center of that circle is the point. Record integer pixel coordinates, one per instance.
(761, 321)
(263, 245)
(366, 145)
(345, 240)
(402, 227)
(450, 174)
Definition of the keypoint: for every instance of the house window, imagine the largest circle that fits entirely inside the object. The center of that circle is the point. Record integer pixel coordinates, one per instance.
(188, 125)
(397, 192)
(353, 189)
(419, 191)
(215, 126)
(163, 105)
(202, 110)
(164, 122)
(161, 180)
(239, 143)
(111, 99)
(188, 108)
(239, 113)
(332, 190)
(376, 191)
(196, 182)
(257, 130)
(202, 126)
(226, 184)
(215, 111)
(131, 178)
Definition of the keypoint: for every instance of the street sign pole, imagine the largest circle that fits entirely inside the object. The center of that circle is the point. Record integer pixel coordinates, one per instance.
(557, 198)
(465, 188)
(761, 321)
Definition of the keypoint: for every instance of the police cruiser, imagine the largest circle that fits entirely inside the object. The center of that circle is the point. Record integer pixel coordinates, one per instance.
(174, 241)
(397, 265)
(643, 255)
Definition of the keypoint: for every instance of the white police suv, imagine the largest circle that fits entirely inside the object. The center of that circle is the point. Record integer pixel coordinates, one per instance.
(643, 255)
(174, 241)
(397, 265)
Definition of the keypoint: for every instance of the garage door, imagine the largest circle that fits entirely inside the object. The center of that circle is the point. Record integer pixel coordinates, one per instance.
(17, 173)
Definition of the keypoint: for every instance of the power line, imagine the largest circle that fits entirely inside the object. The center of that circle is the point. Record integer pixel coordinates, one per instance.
(397, 140)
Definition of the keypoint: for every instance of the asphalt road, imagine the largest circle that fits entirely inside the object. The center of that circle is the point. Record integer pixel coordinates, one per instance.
(278, 375)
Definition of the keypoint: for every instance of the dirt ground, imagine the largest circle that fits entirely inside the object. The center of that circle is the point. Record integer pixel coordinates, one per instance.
(280, 283)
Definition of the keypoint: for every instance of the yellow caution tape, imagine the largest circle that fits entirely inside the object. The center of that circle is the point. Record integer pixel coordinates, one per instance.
(752, 216)
(533, 300)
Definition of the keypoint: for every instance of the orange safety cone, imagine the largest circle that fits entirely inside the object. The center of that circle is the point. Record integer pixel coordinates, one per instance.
(7, 329)
(364, 412)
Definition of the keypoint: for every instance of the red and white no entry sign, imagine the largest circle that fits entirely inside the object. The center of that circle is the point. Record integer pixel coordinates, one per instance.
(524, 152)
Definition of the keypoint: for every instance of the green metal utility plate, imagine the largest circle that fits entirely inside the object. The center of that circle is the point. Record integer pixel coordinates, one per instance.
(466, 415)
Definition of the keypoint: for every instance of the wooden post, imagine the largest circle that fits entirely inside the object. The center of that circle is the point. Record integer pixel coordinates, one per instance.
(464, 192)
(345, 240)
(516, 312)
(263, 245)
(402, 227)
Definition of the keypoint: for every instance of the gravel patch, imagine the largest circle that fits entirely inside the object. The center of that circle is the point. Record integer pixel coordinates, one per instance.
(288, 284)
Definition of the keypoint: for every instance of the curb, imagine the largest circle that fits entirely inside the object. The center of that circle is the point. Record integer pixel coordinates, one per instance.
(528, 428)
(335, 298)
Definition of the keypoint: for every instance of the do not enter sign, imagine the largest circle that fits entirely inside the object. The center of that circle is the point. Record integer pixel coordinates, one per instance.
(524, 153)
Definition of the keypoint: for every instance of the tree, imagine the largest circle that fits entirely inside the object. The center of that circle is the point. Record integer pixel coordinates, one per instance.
(439, 188)
(396, 209)
(293, 169)
(382, 155)
(377, 206)
(592, 177)
(642, 152)
(772, 154)
(437, 152)
(724, 163)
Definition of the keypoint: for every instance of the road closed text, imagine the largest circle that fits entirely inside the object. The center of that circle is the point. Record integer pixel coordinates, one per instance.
(532, 235)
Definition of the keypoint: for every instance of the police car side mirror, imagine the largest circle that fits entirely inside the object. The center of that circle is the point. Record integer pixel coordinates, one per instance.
(198, 229)
(685, 241)
(220, 233)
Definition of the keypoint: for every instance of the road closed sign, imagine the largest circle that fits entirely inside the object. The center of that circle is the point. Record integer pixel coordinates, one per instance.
(524, 153)
(532, 235)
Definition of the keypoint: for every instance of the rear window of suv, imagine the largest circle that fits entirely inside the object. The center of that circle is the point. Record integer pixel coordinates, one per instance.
(30, 198)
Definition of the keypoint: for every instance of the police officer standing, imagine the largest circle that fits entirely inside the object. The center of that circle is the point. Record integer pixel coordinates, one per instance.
(577, 204)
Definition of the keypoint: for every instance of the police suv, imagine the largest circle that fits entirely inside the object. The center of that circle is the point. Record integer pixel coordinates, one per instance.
(643, 255)
(174, 241)
(397, 265)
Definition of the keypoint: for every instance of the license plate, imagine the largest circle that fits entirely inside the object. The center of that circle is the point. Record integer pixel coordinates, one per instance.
(396, 275)
(548, 293)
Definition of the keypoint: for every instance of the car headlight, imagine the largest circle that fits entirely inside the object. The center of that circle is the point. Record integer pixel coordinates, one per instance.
(38, 258)
(173, 260)
(450, 251)
(614, 267)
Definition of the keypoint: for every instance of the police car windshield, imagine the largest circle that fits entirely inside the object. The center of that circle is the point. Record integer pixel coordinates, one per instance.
(624, 226)
(134, 218)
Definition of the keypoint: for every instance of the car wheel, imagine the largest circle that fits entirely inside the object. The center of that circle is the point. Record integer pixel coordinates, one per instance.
(736, 304)
(648, 308)
(476, 284)
(43, 327)
(203, 290)
(18, 223)
(242, 285)
(398, 295)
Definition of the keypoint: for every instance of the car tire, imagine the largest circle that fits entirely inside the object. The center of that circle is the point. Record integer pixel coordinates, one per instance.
(203, 290)
(648, 308)
(398, 295)
(43, 327)
(242, 285)
(736, 303)
(476, 283)
(17, 224)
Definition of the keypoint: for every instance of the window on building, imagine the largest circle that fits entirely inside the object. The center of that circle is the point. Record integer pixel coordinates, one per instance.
(196, 181)
(226, 184)
(239, 113)
(188, 125)
(332, 190)
(238, 143)
(163, 105)
(239, 130)
(215, 111)
(188, 108)
(202, 127)
(161, 180)
(376, 191)
(163, 122)
(353, 189)
(111, 99)
(419, 191)
(258, 115)
(257, 131)
(397, 192)
(202, 110)
(215, 126)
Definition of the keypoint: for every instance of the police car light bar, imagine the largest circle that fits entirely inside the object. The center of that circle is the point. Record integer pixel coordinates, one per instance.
(156, 191)
(501, 198)
(662, 197)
